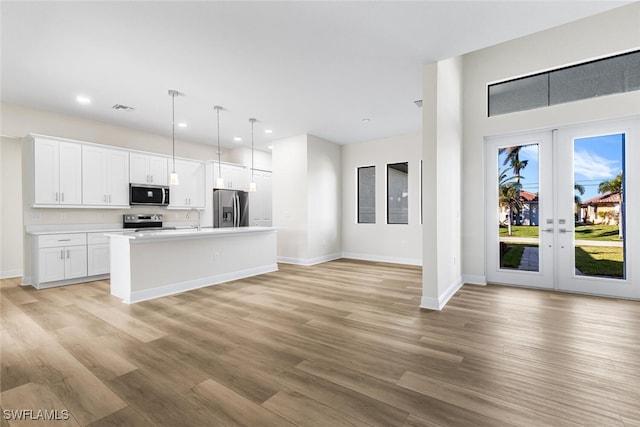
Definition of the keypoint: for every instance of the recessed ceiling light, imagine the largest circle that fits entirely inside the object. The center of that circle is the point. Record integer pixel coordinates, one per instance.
(366, 120)
(83, 99)
(270, 147)
(268, 131)
(237, 139)
(182, 124)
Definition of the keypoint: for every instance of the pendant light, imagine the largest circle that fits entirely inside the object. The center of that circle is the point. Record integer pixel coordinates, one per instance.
(173, 177)
(220, 180)
(252, 184)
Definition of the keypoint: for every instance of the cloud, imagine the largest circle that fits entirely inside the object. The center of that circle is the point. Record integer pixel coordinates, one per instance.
(592, 166)
(530, 152)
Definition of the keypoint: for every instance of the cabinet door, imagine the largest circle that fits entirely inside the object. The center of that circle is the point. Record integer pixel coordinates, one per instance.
(94, 175)
(117, 177)
(178, 193)
(70, 173)
(75, 262)
(196, 187)
(190, 192)
(98, 259)
(51, 264)
(46, 169)
(266, 199)
(158, 170)
(139, 169)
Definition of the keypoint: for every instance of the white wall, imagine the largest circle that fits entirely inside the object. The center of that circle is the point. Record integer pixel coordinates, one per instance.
(597, 36)
(10, 208)
(381, 241)
(324, 194)
(442, 148)
(290, 195)
(306, 199)
(242, 156)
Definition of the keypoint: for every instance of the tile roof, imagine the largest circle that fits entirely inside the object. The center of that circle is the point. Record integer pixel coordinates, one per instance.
(611, 198)
(526, 196)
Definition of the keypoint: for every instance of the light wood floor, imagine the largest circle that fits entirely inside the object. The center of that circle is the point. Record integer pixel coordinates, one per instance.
(342, 343)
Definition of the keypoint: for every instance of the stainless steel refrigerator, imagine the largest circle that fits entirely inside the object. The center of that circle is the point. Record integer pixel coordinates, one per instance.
(230, 208)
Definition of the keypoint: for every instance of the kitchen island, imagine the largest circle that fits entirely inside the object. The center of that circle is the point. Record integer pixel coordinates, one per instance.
(152, 264)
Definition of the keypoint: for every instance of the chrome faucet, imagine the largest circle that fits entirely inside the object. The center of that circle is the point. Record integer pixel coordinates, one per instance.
(189, 213)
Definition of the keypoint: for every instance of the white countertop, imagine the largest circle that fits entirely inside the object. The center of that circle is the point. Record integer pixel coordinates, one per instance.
(74, 229)
(182, 233)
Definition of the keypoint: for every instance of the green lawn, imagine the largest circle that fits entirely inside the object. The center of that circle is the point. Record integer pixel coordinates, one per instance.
(597, 232)
(600, 261)
(519, 231)
(583, 232)
(512, 256)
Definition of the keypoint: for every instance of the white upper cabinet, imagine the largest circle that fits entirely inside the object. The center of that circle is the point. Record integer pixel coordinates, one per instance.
(57, 172)
(260, 200)
(105, 176)
(190, 192)
(235, 176)
(148, 169)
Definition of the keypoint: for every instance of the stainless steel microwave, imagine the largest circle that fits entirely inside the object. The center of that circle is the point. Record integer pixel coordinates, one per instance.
(153, 195)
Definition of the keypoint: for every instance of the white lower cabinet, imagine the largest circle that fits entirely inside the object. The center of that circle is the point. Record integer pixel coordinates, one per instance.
(97, 254)
(61, 257)
(67, 258)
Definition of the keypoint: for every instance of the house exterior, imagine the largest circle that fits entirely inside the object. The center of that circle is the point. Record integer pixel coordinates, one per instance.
(602, 209)
(529, 212)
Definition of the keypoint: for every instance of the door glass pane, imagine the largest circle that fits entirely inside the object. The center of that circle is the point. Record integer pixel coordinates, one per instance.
(599, 238)
(518, 200)
(398, 193)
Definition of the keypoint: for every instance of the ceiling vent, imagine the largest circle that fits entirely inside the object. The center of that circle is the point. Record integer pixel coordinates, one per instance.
(122, 107)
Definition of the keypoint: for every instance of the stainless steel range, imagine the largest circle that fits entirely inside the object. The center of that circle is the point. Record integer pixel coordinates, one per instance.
(144, 221)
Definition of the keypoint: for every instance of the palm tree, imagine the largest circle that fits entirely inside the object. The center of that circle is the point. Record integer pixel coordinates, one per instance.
(611, 185)
(512, 158)
(576, 198)
(615, 186)
(509, 195)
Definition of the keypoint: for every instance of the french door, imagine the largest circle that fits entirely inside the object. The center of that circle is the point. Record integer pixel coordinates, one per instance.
(562, 209)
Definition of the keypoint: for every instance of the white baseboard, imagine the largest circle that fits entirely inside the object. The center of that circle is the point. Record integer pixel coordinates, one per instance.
(380, 258)
(471, 279)
(442, 300)
(309, 261)
(190, 285)
(7, 274)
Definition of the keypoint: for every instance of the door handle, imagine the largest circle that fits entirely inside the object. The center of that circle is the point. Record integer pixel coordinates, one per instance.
(548, 230)
(564, 230)
(61, 253)
(67, 253)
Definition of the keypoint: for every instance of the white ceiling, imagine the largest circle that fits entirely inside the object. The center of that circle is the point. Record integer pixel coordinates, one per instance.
(296, 66)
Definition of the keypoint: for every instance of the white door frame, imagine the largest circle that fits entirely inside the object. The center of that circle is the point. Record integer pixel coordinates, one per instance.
(566, 277)
(557, 253)
(543, 278)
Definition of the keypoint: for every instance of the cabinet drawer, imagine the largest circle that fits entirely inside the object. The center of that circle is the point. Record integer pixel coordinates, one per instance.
(96, 238)
(69, 239)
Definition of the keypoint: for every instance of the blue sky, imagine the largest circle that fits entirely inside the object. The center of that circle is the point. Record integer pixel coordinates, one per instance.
(596, 159)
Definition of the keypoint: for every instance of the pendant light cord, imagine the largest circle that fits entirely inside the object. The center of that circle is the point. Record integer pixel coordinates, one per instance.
(173, 128)
(218, 122)
(252, 122)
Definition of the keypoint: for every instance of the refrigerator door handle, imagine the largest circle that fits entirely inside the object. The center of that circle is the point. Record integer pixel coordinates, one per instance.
(237, 209)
